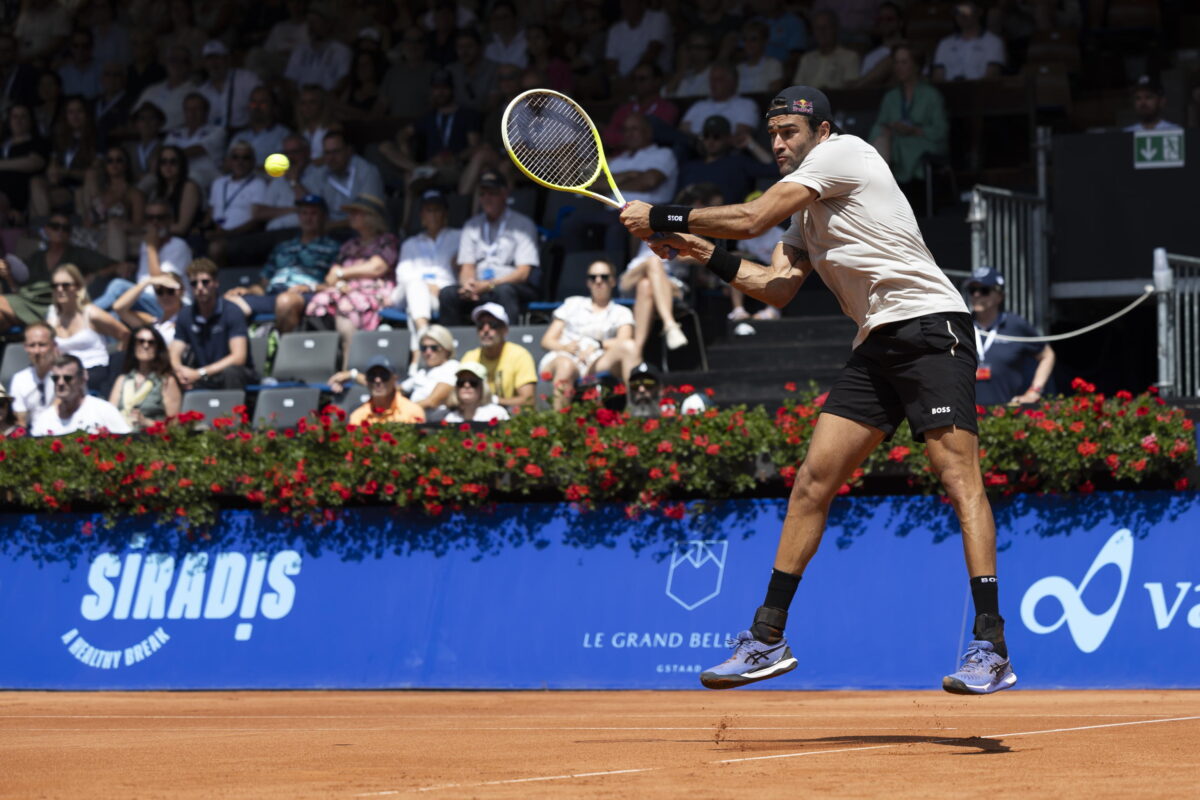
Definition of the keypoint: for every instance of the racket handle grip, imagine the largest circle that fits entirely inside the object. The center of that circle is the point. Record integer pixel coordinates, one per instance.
(672, 253)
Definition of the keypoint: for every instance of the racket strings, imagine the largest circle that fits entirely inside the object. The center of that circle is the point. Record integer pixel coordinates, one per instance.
(553, 140)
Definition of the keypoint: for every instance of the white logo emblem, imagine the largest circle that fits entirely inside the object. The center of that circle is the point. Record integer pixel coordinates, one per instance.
(1087, 629)
(694, 587)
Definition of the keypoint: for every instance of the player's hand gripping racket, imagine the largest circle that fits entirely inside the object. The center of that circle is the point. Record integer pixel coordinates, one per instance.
(555, 143)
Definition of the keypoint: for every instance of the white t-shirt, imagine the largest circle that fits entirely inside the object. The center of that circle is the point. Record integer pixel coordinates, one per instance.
(421, 384)
(693, 85)
(92, 415)
(874, 57)
(625, 45)
(496, 248)
(584, 321)
(324, 66)
(278, 194)
(24, 391)
(232, 202)
(863, 239)
(652, 157)
(969, 58)
(738, 110)
(229, 106)
(169, 100)
(515, 52)
(431, 260)
(174, 255)
(1161, 125)
(485, 413)
(757, 78)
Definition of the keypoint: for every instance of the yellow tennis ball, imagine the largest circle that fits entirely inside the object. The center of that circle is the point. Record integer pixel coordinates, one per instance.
(277, 164)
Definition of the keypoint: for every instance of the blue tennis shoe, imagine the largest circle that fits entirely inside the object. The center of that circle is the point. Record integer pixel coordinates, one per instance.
(983, 671)
(751, 661)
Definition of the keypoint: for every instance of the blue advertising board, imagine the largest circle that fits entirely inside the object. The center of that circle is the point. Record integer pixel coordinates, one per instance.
(1099, 591)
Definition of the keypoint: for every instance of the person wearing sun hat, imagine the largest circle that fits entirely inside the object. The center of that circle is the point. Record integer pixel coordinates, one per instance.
(364, 275)
(473, 396)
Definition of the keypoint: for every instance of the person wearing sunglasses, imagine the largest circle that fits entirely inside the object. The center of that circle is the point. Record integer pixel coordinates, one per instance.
(732, 163)
(509, 366)
(589, 335)
(81, 327)
(472, 397)
(232, 199)
(112, 206)
(168, 291)
(146, 391)
(74, 409)
(160, 253)
(1009, 373)
(386, 404)
(211, 348)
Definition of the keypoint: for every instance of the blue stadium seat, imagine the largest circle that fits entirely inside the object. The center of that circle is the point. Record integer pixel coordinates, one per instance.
(213, 403)
(306, 356)
(15, 359)
(283, 408)
(365, 345)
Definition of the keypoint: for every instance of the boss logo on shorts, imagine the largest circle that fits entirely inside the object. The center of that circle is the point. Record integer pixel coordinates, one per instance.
(940, 410)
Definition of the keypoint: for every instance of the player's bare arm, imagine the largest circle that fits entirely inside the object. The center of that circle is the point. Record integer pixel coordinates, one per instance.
(740, 221)
(775, 283)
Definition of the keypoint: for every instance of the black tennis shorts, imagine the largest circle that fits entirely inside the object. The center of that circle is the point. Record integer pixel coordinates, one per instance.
(922, 369)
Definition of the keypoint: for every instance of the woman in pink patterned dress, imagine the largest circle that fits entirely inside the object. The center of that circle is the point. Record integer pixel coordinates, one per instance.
(363, 278)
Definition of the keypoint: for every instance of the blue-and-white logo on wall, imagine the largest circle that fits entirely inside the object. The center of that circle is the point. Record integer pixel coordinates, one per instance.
(696, 572)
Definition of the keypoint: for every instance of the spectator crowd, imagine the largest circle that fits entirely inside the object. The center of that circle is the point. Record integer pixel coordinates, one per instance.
(132, 180)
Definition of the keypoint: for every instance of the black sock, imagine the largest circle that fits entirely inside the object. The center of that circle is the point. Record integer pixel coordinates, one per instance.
(781, 590)
(771, 617)
(989, 625)
(985, 593)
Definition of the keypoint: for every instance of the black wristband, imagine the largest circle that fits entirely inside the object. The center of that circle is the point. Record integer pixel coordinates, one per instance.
(670, 218)
(724, 264)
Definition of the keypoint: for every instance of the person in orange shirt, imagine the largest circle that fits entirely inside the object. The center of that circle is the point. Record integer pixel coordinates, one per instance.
(386, 404)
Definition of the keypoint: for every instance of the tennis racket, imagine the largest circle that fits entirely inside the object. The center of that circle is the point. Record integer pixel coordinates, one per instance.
(555, 143)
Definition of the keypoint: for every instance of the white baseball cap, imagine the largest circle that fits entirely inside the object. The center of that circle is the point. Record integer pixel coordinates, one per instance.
(494, 309)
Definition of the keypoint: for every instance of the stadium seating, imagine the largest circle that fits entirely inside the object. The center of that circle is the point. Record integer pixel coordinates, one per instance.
(284, 407)
(213, 403)
(310, 357)
(394, 344)
(15, 359)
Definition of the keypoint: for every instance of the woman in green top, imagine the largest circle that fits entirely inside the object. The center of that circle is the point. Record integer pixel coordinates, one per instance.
(912, 119)
(146, 391)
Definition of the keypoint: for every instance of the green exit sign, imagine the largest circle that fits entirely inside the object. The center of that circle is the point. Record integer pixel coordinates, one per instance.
(1157, 149)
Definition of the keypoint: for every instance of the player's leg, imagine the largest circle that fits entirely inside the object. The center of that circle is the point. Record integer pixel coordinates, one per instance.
(839, 445)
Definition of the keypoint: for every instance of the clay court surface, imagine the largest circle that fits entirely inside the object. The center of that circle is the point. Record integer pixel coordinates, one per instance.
(730, 745)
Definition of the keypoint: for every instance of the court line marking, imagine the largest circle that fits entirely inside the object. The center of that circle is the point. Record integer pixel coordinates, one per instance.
(622, 715)
(945, 741)
(764, 758)
(460, 729)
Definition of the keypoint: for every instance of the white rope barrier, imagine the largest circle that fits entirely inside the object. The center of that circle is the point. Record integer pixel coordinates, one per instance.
(1149, 290)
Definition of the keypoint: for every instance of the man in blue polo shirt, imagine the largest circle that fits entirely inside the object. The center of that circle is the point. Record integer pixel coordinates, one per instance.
(210, 350)
(293, 270)
(1009, 373)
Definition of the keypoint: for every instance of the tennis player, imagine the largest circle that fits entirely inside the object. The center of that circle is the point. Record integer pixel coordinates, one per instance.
(913, 358)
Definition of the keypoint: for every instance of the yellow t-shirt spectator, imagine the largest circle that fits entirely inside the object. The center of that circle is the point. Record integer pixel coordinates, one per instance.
(401, 410)
(512, 370)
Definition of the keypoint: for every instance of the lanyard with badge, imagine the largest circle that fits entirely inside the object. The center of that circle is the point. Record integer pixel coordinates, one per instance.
(143, 155)
(982, 344)
(227, 201)
(491, 247)
(430, 259)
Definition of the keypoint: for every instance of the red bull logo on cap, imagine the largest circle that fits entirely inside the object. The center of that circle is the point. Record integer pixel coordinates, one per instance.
(802, 106)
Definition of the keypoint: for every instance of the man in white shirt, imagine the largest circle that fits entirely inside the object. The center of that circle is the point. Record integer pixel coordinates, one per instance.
(345, 176)
(828, 65)
(321, 60)
(1149, 103)
(265, 134)
(203, 143)
(169, 95)
(914, 358)
(971, 54)
(639, 36)
(160, 252)
(722, 101)
(496, 256)
(278, 206)
(644, 171)
(75, 410)
(227, 89)
(31, 388)
(507, 45)
(426, 264)
(232, 199)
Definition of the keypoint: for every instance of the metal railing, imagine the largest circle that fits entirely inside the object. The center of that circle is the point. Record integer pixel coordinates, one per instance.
(1177, 283)
(1010, 231)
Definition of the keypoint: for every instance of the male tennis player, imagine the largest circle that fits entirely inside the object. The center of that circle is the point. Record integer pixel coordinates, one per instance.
(913, 358)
